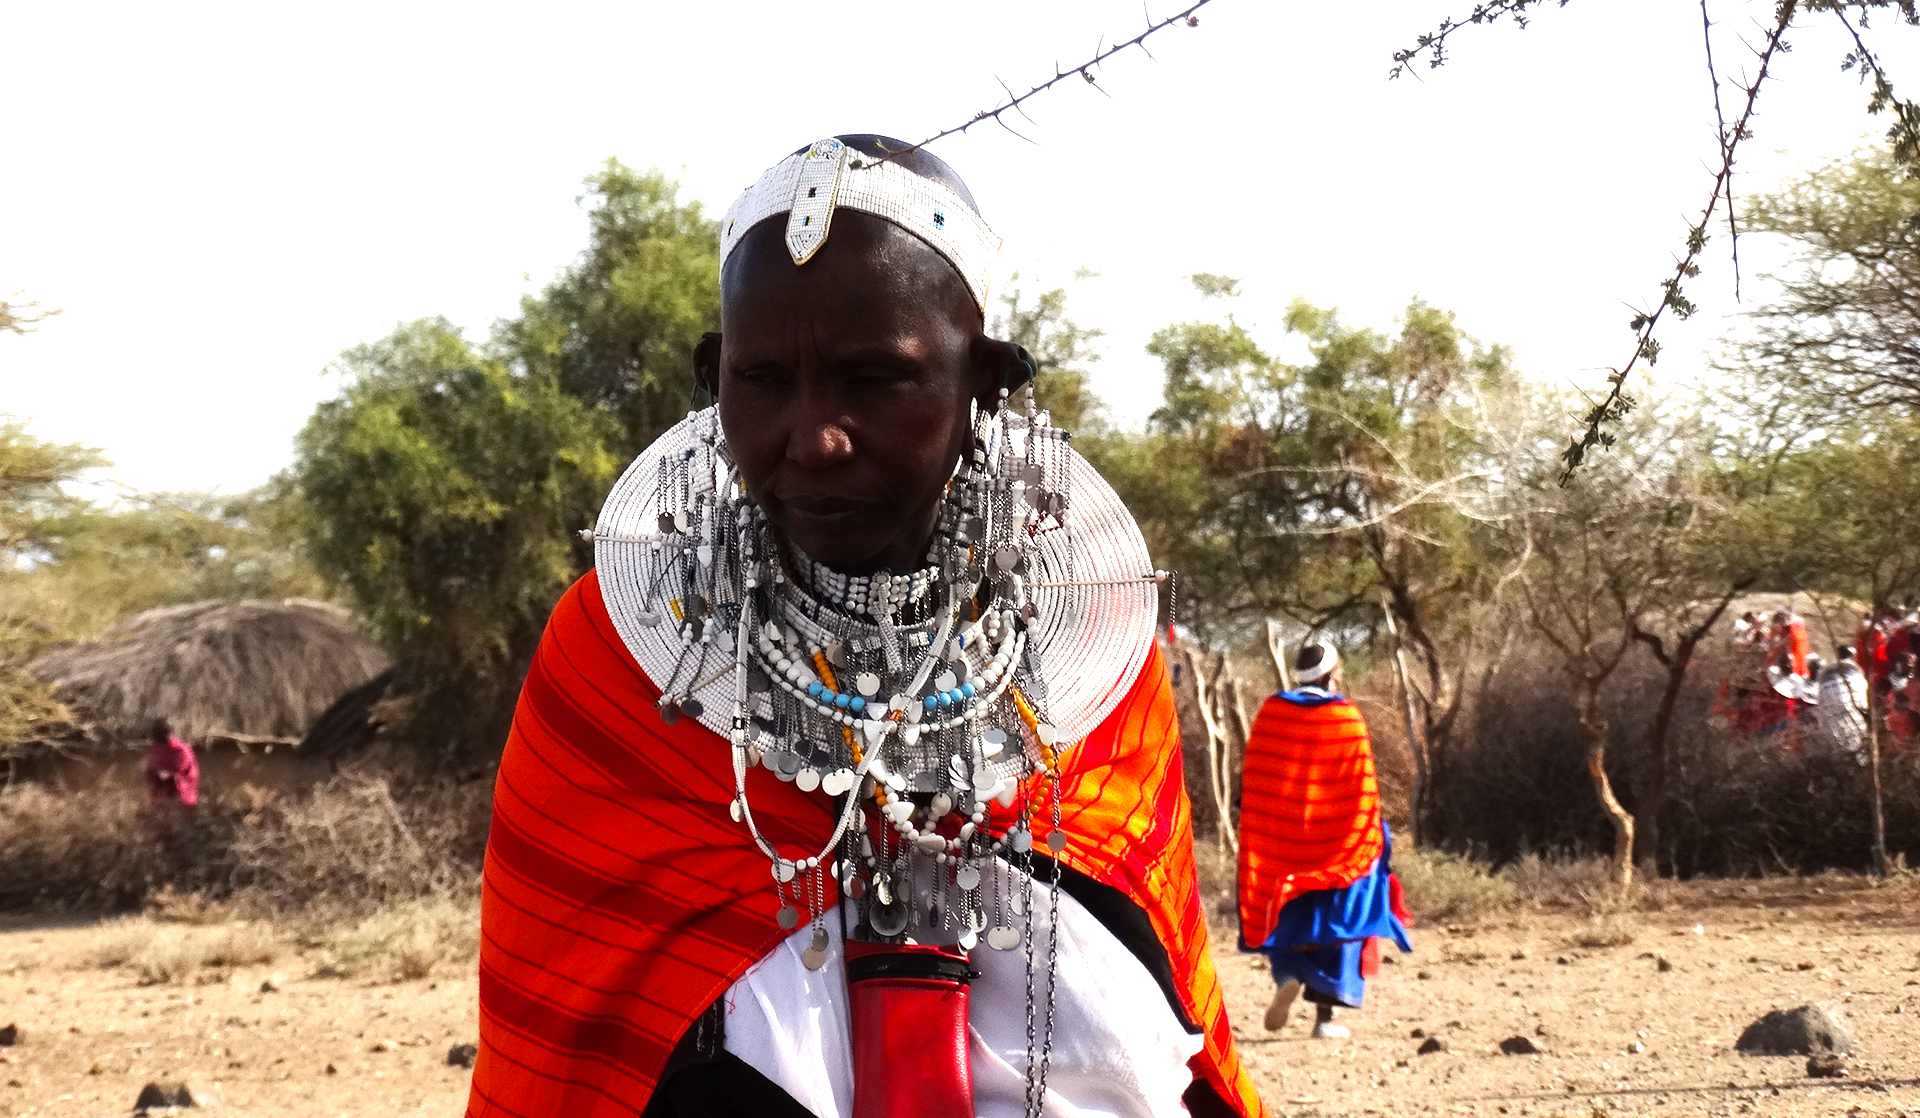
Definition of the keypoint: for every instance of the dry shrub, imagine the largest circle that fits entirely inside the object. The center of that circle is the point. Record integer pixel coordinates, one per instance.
(96, 850)
(408, 941)
(1581, 885)
(117, 942)
(351, 844)
(1446, 888)
(244, 945)
(170, 956)
(1611, 929)
(352, 841)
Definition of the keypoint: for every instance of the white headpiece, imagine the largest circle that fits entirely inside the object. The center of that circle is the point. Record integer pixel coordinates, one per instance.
(809, 185)
(1319, 669)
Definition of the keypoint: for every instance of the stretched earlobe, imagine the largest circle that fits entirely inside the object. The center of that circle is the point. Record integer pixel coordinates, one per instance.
(706, 364)
(1005, 368)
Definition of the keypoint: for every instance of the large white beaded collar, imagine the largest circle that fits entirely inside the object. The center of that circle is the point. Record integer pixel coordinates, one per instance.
(809, 185)
(669, 556)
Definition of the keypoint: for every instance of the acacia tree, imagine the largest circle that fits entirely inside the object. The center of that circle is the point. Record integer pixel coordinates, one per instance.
(444, 491)
(1317, 490)
(616, 330)
(1638, 550)
(1844, 328)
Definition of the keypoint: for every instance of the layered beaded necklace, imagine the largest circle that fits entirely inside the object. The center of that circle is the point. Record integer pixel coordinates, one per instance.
(918, 701)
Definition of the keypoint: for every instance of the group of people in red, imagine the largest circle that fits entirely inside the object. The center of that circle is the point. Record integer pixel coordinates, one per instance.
(1889, 646)
(1777, 687)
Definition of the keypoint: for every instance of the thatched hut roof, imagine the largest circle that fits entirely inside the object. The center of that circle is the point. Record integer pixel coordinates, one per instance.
(241, 670)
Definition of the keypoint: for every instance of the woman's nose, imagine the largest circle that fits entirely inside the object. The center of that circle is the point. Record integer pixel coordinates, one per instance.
(819, 435)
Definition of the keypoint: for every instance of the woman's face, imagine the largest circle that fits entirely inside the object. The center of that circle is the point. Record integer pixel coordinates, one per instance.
(844, 387)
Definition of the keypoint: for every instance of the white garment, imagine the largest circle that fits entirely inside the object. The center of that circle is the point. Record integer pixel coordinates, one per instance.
(1118, 1049)
(1842, 713)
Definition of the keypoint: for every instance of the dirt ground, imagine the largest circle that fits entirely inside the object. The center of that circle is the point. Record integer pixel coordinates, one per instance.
(91, 1036)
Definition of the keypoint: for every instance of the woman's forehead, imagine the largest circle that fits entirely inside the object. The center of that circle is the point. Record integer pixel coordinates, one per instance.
(870, 270)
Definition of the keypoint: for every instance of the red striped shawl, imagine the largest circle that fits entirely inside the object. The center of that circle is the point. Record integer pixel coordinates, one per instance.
(620, 900)
(1309, 808)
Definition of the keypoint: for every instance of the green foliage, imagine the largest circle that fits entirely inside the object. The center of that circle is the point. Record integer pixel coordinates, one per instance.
(1845, 323)
(1309, 489)
(1062, 350)
(444, 491)
(35, 509)
(617, 329)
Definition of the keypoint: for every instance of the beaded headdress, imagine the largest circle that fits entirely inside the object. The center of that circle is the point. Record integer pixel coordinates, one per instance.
(809, 185)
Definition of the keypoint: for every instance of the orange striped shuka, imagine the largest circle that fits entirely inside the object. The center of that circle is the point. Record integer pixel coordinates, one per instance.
(1309, 808)
(620, 900)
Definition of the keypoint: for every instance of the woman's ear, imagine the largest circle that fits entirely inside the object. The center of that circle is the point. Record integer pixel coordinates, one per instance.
(706, 364)
(1001, 365)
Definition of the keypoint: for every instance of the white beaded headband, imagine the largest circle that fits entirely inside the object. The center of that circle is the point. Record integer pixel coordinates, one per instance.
(809, 185)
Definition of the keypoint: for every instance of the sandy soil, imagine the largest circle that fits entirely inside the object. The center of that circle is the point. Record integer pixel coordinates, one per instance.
(92, 1036)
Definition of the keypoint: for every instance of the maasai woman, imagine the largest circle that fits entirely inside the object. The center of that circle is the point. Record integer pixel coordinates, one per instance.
(1317, 892)
(849, 783)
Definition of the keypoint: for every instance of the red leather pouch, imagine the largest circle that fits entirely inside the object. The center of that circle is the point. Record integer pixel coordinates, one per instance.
(909, 1026)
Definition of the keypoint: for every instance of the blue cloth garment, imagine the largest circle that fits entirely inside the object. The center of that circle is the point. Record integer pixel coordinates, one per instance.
(1319, 936)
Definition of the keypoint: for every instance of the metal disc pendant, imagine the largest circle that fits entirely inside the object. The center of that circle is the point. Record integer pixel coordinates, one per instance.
(813, 958)
(807, 779)
(1057, 841)
(788, 917)
(1003, 939)
(1021, 841)
(883, 890)
(967, 876)
(734, 809)
(1007, 558)
(783, 871)
(693, 708)
(670, 713)
(888, 919)
(968, 939)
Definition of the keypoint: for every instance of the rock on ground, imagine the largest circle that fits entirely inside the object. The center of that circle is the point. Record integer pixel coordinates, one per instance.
(1808, 1030)
(153, 1096)
(462, 1055)
(1518, 1046)
(1826, 1066)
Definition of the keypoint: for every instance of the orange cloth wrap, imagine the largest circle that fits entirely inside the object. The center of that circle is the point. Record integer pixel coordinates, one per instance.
(1309, 808)
(620, 900)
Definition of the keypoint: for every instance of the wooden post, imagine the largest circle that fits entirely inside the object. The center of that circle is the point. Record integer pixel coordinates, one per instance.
(1415, 745)
(1277, 648)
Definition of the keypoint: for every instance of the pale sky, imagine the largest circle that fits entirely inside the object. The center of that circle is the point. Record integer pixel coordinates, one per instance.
(223, 197)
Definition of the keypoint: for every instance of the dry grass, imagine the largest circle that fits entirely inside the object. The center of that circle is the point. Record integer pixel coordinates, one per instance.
(1446, 888)
(1583, 886)
(245, 945)
(170, 957)
(118, 941)
(1613, 929)
(411, 940)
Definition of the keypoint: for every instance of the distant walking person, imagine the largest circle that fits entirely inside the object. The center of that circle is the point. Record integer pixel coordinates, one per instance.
(1317, 892)
(173, 776)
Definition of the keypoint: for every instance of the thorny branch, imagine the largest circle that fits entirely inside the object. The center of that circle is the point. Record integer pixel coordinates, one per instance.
(1084, 71)
(1616, 404)
(1434, 43)
(1905, 131)
(1720, 123)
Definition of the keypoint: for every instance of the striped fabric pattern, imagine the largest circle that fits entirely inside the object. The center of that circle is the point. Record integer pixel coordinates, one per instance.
(620, 900)
(1309, 808)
